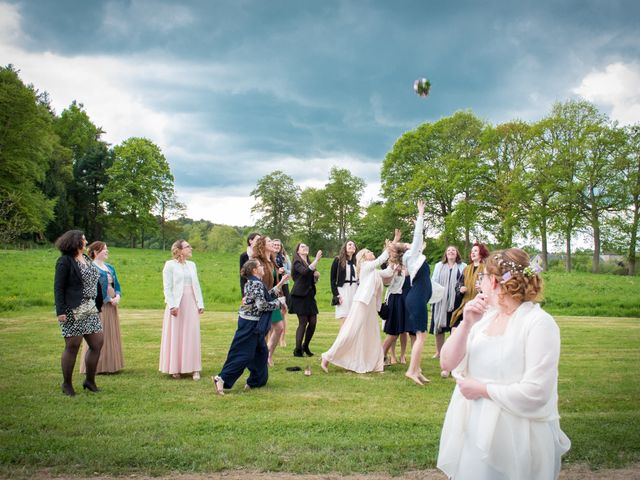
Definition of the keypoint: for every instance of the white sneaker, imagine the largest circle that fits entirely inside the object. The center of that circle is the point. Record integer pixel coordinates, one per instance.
(196, 376)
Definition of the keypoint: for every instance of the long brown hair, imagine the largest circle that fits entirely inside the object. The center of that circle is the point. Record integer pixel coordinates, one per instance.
(266, 258)
(342, 256)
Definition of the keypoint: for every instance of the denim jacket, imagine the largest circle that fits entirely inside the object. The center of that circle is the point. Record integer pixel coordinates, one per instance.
(104, 282)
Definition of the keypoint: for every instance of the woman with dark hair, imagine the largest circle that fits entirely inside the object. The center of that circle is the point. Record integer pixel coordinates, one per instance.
(469, 280)
(248, 348)
(246, 255)
(111, 358)
(78, 297)
(264, 251)
(447, 273)
(502, 421)
(283, 265)
(410, 256)
(180, 345)
(344, 281)
(303, 297)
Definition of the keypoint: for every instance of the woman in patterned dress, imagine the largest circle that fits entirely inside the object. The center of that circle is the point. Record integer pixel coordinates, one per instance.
(78, 297)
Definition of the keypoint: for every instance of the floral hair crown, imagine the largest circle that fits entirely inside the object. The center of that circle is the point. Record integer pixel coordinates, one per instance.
(512, 268)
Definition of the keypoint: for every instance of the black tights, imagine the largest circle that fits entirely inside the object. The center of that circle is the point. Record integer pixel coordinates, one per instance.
(306, 329)
(70, 353)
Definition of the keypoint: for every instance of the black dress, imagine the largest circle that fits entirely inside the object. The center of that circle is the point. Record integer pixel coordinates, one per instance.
(416, 301)
(396, 323)
(303, 293)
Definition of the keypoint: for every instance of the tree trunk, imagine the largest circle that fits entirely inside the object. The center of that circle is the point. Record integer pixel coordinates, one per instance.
(634, 238)
(545, 249)
(596, 245)
(568, 242)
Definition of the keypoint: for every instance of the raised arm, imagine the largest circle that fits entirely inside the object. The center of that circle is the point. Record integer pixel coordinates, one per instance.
(418, 231)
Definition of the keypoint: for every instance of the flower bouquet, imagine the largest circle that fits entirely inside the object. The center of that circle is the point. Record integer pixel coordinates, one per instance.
(422, 87)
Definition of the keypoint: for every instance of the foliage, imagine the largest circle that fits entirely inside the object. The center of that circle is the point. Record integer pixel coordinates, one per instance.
(277, 199)
(27, 142)
(342, 201)
(138, 179)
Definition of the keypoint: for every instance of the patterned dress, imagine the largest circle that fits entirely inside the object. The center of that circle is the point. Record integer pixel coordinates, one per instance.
(87, 324)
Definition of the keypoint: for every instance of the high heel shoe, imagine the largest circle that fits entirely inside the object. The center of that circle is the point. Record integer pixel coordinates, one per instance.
(91, 386)
(297, 352)
(307, 351)
(68, 390)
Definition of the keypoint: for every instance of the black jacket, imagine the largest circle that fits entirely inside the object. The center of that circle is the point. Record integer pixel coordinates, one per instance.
(67, 285)
(303, 277)
(339, 275)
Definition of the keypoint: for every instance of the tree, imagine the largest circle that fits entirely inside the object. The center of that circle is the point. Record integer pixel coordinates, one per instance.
(442, 163)
(91, 159)
(507, 149)
(628, 218)
(137, 179)
(342, 195)
(225, 239)
(377, 225)
(27, 142)
(277, 200)
(168, 207)
(312, 225)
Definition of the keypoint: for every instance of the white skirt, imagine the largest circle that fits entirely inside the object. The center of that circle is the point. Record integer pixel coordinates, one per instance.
(347, 292)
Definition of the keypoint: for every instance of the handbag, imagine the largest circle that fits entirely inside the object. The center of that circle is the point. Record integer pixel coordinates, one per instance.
(86, 309)
(384, 311)
(335, 300)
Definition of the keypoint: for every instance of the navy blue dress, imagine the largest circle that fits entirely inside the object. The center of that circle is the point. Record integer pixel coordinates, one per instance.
(396, 323)
(416, 301)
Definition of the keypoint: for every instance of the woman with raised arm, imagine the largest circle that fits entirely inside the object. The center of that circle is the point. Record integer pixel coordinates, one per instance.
(180, 345)
(411, 257)
(502, 421)
(357, 346)
(303, 297)
(283, 265)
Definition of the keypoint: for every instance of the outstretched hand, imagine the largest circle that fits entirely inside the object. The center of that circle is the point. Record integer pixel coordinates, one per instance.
(284, 279)
(397, 235)
(421, 203)
(318, 255)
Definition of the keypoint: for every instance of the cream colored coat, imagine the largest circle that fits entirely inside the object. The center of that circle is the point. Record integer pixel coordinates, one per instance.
(173, 283)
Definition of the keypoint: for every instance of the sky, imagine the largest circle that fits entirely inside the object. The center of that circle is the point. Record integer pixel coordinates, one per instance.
(233, 90)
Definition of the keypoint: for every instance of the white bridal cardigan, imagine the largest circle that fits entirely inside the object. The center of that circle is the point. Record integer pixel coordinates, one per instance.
(516, 431)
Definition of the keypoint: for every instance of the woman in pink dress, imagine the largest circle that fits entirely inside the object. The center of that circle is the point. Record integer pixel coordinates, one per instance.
(180, 346)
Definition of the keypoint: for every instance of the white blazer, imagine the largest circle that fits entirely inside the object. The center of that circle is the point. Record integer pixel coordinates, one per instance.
(173, 283)
(370, 280)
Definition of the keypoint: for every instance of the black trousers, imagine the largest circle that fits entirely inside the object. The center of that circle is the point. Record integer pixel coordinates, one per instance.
(248, 350)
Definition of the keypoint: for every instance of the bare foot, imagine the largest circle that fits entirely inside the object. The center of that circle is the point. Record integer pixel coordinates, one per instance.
(414, 378)
(393, 361)
(324, 364)
(445, 373)
(403, 360)
(423, 378)
(269, 361)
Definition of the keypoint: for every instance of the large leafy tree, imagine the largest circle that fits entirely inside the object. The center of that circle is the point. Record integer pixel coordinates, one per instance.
(442, 163)
(312, 225)
(277, 200)
(507, 150)
(137, 179)
(342, 195)
(90, 159)
(27, 142)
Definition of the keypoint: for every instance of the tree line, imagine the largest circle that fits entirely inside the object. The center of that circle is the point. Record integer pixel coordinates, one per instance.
(573, 172)
(56, 173)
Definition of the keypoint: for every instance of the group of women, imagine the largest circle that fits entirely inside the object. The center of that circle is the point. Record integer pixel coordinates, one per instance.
(502, 421)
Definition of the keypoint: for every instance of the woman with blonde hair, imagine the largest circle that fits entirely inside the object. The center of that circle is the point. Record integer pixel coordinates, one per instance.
(357, 346)
(180, 345)
(111, 357)
(502, 421)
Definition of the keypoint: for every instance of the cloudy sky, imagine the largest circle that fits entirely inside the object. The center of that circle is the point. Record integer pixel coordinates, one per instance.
(232, 90)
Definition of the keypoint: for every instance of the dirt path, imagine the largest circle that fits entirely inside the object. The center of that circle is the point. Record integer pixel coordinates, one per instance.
(571, 472)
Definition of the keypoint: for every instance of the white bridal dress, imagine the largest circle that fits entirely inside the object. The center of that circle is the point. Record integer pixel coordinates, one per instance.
(516, 433)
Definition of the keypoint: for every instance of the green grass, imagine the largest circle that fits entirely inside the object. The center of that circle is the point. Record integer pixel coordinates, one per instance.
(27, 282)
(145, 422)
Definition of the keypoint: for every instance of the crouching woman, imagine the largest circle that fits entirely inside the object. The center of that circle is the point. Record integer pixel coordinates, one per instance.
(248, 348)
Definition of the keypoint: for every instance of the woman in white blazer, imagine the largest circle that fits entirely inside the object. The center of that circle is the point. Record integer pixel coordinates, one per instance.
(180, 345)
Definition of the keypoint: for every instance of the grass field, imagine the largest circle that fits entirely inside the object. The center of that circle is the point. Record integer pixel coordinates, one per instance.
(27, 282)
(145, 422)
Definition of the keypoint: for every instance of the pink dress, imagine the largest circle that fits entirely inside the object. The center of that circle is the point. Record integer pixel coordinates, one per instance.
(180, 346)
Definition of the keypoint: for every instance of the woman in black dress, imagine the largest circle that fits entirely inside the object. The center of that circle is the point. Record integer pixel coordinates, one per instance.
(303, 297)
(78, 297)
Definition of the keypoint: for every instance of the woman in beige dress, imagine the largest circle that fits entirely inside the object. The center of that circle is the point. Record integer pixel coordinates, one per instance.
(358, 347)
(111, 359)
